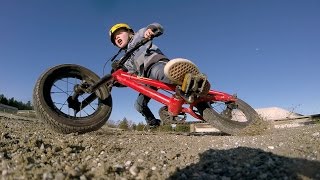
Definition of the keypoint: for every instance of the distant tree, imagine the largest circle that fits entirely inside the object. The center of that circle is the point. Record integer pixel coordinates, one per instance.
(166, 128)
(29, 105)
(133, 126)
(14, 103)
(140, 126)
(3, 99)
(124, 124)
(112, 124)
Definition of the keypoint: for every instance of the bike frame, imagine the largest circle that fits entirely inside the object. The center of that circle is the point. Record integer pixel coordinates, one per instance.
(174, 103)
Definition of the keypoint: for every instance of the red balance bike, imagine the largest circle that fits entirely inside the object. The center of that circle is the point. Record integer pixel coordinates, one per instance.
(71, 98)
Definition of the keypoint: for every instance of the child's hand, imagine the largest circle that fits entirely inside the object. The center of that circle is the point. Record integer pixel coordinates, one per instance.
(149, 33)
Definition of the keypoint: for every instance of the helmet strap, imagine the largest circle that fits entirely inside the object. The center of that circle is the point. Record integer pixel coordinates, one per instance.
(130, 36)
(114, 57)
(111, 59)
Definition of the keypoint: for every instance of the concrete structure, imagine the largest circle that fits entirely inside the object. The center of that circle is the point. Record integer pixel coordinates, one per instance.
(203, 128)
(8, 109)
(27, 113)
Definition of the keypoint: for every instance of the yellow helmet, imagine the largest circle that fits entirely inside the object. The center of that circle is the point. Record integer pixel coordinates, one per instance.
(115, 27)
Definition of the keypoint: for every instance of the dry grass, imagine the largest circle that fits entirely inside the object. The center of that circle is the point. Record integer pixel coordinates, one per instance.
(258, 127)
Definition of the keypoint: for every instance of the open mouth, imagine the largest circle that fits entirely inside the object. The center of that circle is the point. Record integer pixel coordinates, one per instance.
(119, 41)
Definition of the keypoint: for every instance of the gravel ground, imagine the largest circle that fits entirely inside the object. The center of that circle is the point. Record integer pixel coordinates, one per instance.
(29, 150)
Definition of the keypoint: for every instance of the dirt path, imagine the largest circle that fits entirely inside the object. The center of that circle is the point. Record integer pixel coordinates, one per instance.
(28, 150)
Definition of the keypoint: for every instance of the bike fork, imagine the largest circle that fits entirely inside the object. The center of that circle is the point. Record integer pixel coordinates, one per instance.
(82, 88)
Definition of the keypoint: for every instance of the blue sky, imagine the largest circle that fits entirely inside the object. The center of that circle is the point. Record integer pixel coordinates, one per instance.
(266, 51)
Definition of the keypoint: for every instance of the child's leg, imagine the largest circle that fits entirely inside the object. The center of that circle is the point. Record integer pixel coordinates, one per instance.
(141, 106)
(157, 72)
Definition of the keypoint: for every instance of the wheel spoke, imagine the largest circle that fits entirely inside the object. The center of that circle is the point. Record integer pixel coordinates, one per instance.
(61, 103)
(230, 113)
(69, 82)
(62, 91)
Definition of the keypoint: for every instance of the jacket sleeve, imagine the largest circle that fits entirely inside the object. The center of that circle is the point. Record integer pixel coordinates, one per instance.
(133, 64)
(130, 66)
(139, 35)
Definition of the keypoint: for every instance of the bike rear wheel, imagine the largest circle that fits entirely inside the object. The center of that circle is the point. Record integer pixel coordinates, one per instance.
(50, 96)
(229, 118)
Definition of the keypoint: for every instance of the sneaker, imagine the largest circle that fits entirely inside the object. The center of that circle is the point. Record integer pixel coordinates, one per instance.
(177, 68)
(154, 122)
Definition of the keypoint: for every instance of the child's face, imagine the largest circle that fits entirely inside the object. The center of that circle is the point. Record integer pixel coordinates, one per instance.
(121, 38)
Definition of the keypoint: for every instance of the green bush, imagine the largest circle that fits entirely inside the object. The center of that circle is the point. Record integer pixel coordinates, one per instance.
(183, 128)
(166, 128)
(124, 124)
(140, 126)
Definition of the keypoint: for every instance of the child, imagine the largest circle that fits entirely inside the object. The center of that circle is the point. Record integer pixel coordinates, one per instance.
(150, 62)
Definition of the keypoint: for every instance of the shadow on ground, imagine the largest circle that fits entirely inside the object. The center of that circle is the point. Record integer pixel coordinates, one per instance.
(248, 163)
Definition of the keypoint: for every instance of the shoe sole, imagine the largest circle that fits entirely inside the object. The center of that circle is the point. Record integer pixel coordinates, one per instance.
(176, 69)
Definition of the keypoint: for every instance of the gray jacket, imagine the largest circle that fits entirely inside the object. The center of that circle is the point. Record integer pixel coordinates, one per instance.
(146, 55)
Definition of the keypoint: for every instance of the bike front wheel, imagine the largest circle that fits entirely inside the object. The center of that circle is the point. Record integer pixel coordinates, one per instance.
(231, 118)
(56, 85)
